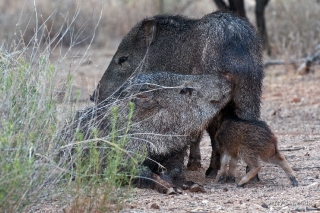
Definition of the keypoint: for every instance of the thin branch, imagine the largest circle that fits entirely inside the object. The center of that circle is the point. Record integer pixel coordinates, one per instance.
(292, 149)
(306, 209)
(307, 167)
(282, 62)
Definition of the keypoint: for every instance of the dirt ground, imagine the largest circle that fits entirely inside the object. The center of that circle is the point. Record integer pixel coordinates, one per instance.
(291, 107)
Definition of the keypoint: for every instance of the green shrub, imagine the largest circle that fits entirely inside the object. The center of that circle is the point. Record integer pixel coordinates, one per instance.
(29, 142)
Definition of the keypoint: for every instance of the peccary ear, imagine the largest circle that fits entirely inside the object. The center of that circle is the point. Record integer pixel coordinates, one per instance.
(186, 90)
(150, 29)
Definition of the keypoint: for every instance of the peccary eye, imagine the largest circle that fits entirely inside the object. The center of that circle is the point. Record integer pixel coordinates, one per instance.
(122, 59)
(186, 90)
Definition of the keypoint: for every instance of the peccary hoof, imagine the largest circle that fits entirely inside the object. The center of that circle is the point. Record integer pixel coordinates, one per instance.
(211, 173)
(256, 178)
(187, 185)
(197, 188)
(193, 164)
(294, 181)
(178, 190)
(171, 191)
(240, 186)
(231, 179)
(222, 179)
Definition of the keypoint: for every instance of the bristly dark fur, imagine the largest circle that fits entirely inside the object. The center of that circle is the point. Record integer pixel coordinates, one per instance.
(219, 42)
(164, 121)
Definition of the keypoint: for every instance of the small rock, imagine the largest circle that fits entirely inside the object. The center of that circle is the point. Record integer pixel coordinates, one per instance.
(199, 209)
(155, 206)
(264, 205)
(228, 202)
(225, 189)
(316, 205)
(67, 210)
(295, 100)
(307, 154)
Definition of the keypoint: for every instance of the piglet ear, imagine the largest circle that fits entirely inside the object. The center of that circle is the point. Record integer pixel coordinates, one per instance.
(150, 30)
(186, 90)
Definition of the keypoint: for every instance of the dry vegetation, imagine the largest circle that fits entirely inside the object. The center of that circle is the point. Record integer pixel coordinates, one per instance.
(293, 26)
(53, 53)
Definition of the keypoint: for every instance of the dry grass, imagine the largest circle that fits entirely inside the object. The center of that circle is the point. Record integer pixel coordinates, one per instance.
(74, 21)
(293, 27)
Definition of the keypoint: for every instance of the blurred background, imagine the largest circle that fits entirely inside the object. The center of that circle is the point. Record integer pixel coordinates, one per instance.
(293, 25)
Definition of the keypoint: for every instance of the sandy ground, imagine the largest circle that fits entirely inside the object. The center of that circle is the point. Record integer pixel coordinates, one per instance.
(290, 105)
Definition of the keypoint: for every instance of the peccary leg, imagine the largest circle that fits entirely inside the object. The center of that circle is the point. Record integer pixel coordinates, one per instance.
(280, 160)
(232, 170)
(194, 157)
(174, 169)
(215, 164)
(254, 165)
(225, 159)
(245, 108)
(256, 178)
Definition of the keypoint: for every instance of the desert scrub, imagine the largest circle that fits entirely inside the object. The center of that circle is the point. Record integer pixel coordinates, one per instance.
(29, 131)
(27, 123)
(101, 164)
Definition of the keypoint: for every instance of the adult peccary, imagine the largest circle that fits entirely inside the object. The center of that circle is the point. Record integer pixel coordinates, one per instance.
(249, 141)
(170, 111)
(219, 42)
(237, 6)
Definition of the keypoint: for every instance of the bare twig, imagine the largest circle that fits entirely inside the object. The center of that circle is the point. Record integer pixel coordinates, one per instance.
(306, 209)
(292, 148)
(306, 66)
(306, 62)
(307, 167)
(282, 62)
